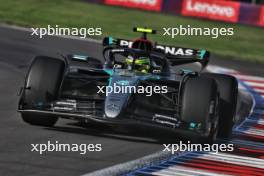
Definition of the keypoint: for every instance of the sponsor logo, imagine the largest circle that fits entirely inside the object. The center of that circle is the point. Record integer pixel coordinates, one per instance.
(118, 50)
(125, 43)
(153, 5)
(176, 51)
(218, 10)
(261, 18)
(166, 120)
(123, 82)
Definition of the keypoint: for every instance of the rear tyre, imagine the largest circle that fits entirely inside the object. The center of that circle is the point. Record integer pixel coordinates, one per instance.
(41, 87)
(228, 89)
(199, 106)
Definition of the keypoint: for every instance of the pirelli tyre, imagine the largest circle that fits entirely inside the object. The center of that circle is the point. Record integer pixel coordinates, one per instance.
(41, 86)
(200, 107)
(228, 89)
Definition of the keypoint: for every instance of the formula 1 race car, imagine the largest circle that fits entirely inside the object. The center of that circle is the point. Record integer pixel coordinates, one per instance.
(135, 84)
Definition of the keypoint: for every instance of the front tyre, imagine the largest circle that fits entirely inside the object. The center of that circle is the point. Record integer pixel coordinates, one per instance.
(200, 106)
(39, 120)
(41, 87)
(228, 89)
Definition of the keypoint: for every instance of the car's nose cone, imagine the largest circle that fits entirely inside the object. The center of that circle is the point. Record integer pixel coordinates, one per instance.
(112, 110)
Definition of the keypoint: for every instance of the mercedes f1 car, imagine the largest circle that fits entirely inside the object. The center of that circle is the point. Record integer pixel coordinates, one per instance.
(201, 103)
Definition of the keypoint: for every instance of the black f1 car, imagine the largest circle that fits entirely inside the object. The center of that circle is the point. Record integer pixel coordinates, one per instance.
(77, 87)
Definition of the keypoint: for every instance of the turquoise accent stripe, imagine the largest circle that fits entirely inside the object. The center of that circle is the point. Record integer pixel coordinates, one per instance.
(110, 40)
(202, 53)
(109, 71)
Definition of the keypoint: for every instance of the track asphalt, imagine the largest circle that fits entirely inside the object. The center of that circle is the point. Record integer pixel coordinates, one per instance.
(17, 49)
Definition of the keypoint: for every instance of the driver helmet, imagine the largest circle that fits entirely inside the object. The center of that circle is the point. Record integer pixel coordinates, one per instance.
(142, 64)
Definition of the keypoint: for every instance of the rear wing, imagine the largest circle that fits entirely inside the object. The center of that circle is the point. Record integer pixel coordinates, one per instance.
(144, 31)
(175, 55)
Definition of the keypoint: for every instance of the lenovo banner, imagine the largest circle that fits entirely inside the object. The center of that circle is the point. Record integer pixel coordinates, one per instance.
(261, 17)
(216, 10)
(152, 5)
